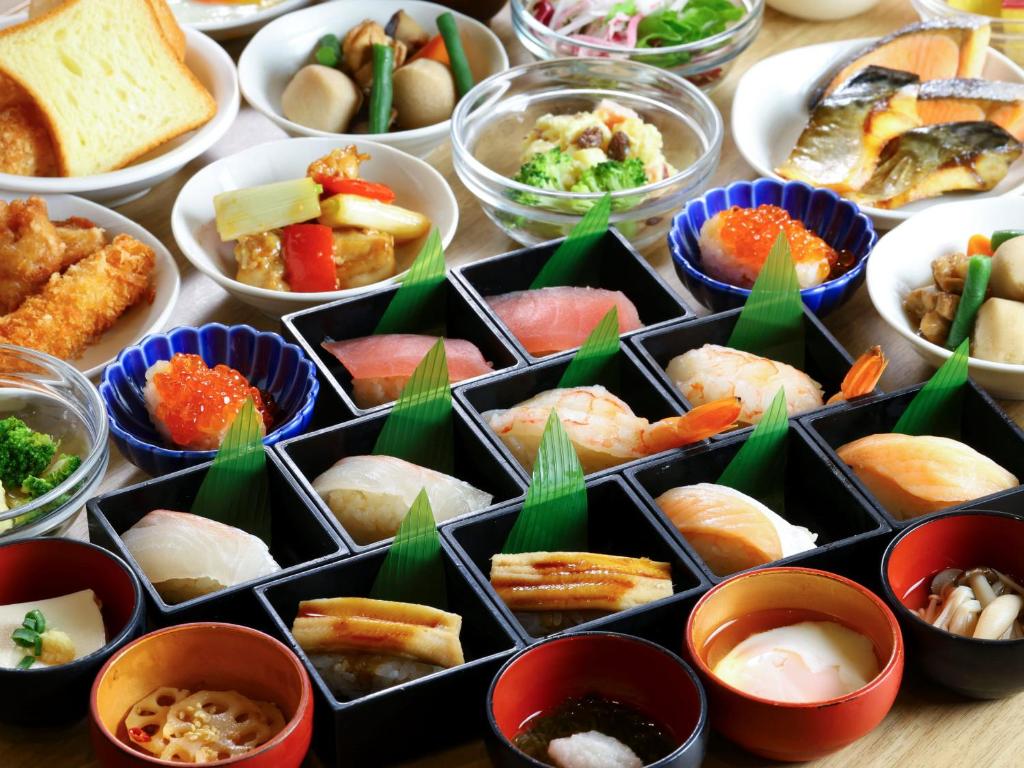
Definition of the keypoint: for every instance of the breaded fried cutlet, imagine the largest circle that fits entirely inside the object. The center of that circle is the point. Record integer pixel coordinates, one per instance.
(81, 238)
(30, 250)
(26, 148)
(73, 309)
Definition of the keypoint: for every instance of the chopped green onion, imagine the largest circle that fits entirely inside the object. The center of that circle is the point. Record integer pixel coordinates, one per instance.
(26, 638)
(26, 662)
(1001, 236)
(456, 54)
(35, 621)
(382, 92)
(979, 269)
(257, 209)
(328, 51)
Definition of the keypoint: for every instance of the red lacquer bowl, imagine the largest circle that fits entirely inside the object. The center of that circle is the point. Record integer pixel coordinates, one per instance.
(788, 731)
(207, 656)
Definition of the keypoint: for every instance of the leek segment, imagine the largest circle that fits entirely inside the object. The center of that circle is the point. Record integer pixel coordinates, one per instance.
(366, 213)
(258, 209)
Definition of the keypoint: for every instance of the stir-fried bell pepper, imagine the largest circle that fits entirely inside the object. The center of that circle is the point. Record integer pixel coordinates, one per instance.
(308, 251)
(335, 185)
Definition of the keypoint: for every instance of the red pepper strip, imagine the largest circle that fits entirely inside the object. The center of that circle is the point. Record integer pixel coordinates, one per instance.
(335, 185)
(309, 257)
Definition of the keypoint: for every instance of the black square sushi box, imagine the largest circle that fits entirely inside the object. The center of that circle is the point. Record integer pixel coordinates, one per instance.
(410, 719)
(476, 461)
(358, 316)
(851, 535)
(300, 538)
(617, 524)
(983, 425)
(826, 361)
(624, 376)
(612, 264)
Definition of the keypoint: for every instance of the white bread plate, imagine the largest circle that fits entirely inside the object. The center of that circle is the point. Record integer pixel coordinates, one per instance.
(417, 186)
(902, 261)
(769, 112)
(284, 46)
(230, 20)
(215, 70)
(142, 319)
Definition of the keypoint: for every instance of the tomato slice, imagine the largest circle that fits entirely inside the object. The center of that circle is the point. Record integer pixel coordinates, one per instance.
(309, 257)
(335, 185)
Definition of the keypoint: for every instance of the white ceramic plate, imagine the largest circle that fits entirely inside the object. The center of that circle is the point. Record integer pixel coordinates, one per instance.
(142, 319)
(902, 261)
(225, 21)
(214, 68)
(284, 46)
(417, 186)
(769, 112)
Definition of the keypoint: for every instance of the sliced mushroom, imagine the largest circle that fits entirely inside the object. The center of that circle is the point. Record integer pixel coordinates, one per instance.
(945, 579)
(956, 598)
(978, 580)
(965, 618)
(1009, 583)
(998, 617)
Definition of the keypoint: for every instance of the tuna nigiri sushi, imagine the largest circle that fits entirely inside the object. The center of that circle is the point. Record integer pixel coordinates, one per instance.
(371, 495)
(381, 365)
(730, 530)
(913, 475)
(187, 556)
(548, 320)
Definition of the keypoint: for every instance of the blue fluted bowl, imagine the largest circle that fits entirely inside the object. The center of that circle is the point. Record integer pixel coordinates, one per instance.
(265, 359)
(838, 221)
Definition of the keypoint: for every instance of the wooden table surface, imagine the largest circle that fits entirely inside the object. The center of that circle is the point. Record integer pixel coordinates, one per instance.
(927, 728)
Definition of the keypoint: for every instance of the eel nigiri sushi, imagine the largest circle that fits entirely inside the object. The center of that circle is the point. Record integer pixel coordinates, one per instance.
(361, 645)
(730, 530)
(551, 591)
(187, 556)
(913, 475)
(381, 365)
(713, 371)
(370, 495)
(548, 320)
(603, 429)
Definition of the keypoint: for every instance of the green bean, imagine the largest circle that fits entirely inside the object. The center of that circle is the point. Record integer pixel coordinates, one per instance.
(328, 51)
(979, 268)
(1001, 236)
(456, 54)
(381, 92)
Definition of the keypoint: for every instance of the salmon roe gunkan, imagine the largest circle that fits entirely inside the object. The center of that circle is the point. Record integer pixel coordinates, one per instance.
(195, 404)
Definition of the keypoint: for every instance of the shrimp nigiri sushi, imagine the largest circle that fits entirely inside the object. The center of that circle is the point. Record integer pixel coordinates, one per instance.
(912, 475)
(371, 495)
(381, 365)
(187, 556)
(735, 243)
(548, 320)
(730, 530)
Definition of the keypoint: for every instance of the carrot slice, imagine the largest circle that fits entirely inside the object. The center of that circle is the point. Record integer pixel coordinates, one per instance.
(979, 245)
(434, 49)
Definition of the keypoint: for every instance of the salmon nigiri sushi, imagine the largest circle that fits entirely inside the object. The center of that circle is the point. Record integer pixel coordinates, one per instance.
(381, 365)
(730, 530)
(548, 320)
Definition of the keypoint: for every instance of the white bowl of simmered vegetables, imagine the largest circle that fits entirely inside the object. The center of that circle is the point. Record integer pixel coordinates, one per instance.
(956, 272)
(295, 223)
(389, 71)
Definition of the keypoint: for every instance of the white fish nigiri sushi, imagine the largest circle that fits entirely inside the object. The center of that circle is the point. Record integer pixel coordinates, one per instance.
(592, 748)
(186, 556)
(371, 495)
(713, 372)
(730, 530)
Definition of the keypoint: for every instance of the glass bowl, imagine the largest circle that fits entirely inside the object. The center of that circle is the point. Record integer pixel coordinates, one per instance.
(705, 62)
(491, 122)
(52, 397)
(1007, 34)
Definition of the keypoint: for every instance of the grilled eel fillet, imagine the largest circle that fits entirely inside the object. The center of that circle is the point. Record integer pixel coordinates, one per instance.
(383, 627)
(578, 581)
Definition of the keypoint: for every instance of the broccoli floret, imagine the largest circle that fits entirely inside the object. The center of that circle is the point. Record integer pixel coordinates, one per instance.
(61, 470)
(612, 175)
(23, 451)
(545, 170)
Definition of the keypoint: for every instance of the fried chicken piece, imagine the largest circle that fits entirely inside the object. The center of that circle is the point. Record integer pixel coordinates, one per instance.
(340, 163)
(26, 148)
(81, 238)
(73, 309)
(30, 250)
(362, 257)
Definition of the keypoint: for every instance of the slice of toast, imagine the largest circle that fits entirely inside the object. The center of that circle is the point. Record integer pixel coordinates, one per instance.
(168, 24)
(106, 80)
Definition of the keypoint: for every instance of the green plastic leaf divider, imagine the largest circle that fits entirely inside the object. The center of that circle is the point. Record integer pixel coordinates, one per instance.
(554, 515)
(419, 302)
(591, 362)
(771, 323)
(419, 428)
(413, 571)
(569, 261)
(759, 467)
(235, 490)
(935, 409)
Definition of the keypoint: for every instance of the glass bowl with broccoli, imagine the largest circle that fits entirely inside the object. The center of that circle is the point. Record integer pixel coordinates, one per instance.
(540, 144)
(53, 442)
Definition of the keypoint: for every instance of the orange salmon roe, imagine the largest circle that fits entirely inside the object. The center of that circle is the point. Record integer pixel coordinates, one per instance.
(197, 403)
(748, 234)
